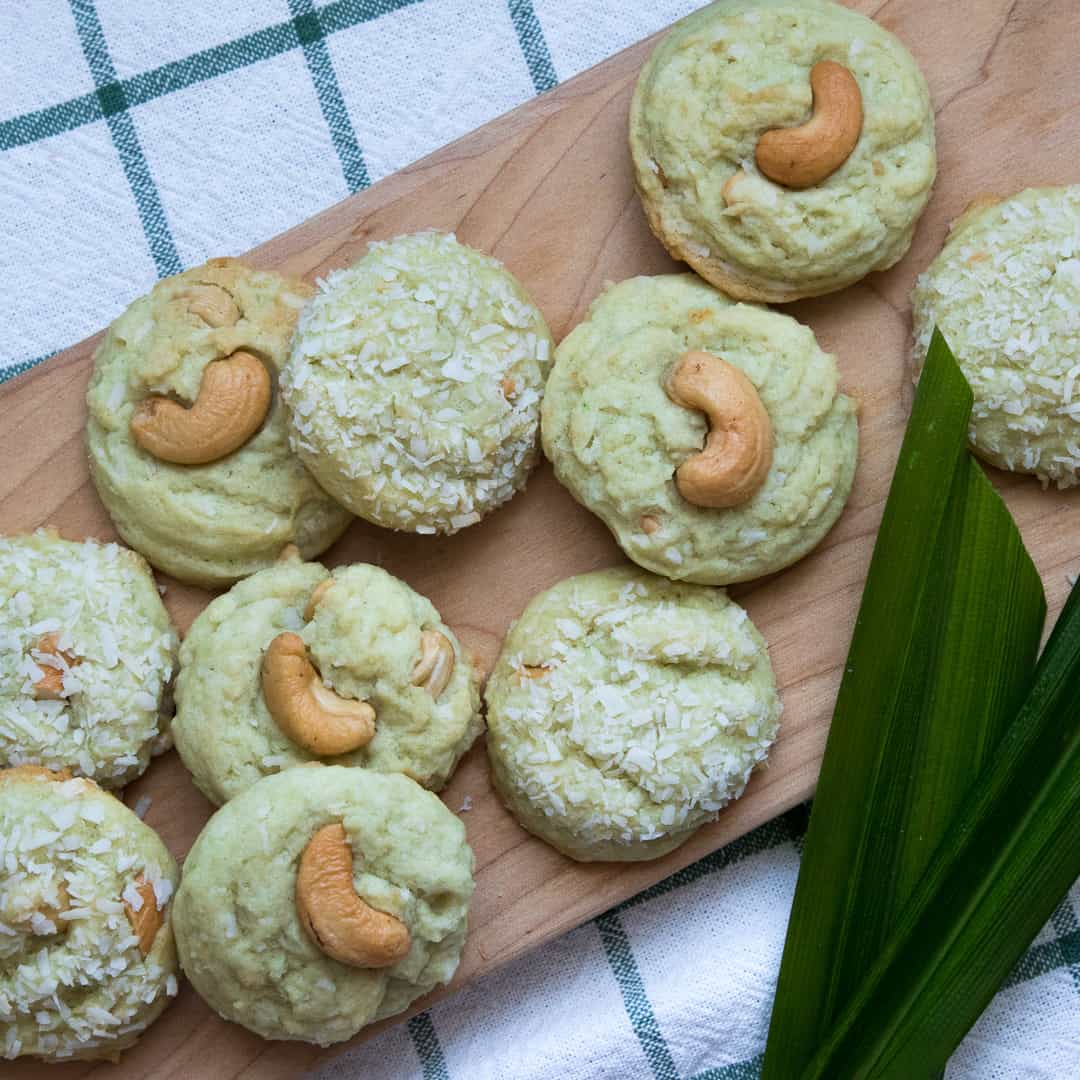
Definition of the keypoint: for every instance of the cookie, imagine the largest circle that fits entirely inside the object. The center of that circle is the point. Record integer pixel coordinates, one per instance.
(323, 899)
(625, 711)
(1005, 291)
(776, 443)
(208, 493)
(735, 183)
(87, 960)
(87, 655)
(374, 679)
(414, 384)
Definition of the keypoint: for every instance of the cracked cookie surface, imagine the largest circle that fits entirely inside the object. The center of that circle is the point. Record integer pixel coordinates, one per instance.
(209, 524)
(625, 711)
(615, 437)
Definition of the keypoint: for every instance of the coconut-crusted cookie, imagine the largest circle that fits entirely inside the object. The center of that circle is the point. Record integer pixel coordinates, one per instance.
(624, 439)
(389, 688)
(87, 959)
(625, 711)
(1005, 292)
(738, 181)
(323, 899)
(414, 384)
(186, 435)
(87, 654)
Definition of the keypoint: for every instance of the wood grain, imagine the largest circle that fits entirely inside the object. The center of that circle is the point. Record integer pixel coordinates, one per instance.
(547, 189)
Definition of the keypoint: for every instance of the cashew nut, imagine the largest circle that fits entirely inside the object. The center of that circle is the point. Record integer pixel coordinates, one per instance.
(342, 925)
(309, 713)
(730, 191)
(436, 664)
(738, 449)
(146, 922)
(27, 913)
(800, 157)
(213, 305)
(316, 598)
(51, 684)
(234, 398)
(63, 903)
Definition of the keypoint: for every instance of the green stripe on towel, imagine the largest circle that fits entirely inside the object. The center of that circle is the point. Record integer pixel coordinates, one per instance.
(114, 105)
(312, 38)
(533, 44)
(426, 1043)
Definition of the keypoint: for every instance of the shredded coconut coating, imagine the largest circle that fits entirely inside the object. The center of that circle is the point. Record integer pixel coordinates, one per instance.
(1005, 292)
(364, 639)
(240, 940)
(101, 603)
(414, 384)
(625, 711)
(721, 79)
(206, 524)
(73, 981)
(616, 439)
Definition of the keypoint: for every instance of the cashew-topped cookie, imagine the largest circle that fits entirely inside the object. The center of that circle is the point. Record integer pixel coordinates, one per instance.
(782, 148)
(1005, 292)
(87, 959)
(296, 664)
(625, 711)
(186, 433)
(414, 384)
(710, 436)
(323, 899)
(87, 655)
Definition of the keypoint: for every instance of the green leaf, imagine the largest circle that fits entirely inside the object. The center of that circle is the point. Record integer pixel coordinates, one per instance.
(1012, 853)
(940, 660)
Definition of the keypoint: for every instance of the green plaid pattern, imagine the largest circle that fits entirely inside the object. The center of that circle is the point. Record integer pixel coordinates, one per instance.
(1062, 951)
(116, 100)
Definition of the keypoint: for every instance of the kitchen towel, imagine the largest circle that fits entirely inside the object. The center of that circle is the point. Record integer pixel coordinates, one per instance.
(140, 138)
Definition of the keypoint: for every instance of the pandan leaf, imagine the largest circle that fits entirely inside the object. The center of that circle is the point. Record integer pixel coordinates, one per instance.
(1009, 857)
(941, 657)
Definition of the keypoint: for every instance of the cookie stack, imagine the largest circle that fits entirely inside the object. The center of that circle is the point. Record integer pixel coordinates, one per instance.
(238, 419)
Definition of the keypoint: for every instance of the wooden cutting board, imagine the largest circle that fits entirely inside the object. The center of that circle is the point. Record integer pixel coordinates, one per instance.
(547, 189)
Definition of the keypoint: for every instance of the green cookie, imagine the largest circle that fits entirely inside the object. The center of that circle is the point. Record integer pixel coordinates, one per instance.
(616, 438)
(241, 940)
(87, 960)
(736, 69)
(87, 655)
(414, 384)
(1004, 291)
(214, 523)
(625, 711)
(365, 638)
